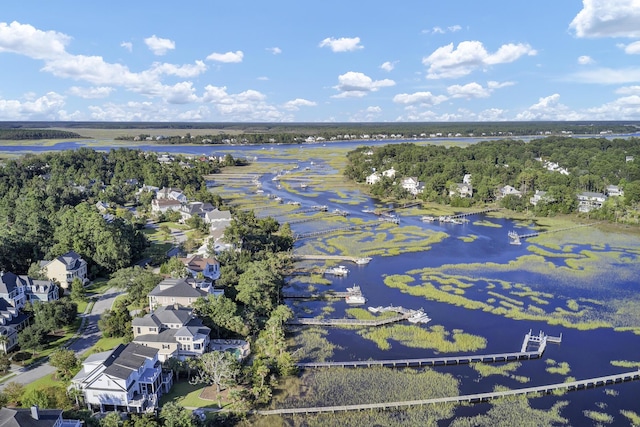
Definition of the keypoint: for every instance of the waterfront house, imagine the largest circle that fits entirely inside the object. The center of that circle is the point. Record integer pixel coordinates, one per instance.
(588, 201)
(461, 190)
(508, 190)
(540, 196)
(373, 178)
(65, 268)
(128, 378)
(614, 191)
(175, 331)
(412, 185)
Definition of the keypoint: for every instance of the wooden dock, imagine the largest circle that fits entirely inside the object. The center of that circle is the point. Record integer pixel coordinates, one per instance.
(538, 233)
(300, 236)
(471, 398)
(355, 260)
(350, 322)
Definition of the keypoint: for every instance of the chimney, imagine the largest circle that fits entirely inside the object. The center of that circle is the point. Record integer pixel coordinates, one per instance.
(34, 412)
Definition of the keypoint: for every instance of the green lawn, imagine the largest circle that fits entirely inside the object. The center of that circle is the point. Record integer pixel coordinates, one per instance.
(187, 395)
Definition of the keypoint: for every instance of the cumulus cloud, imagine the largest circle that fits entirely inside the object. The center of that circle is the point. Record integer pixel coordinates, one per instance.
(159, 46)
(185, 70)
(388, 66)
(228, 57)
(424, 98)
(27, 40)
(91, 92)
(46, 107)
(607, 75)
(369, 114)
(274, 50)
(127, 45)
(628, 90)
(607, 18)
(625, 108)
(354, 84)
(295, 104)
(440, 30)
(450, 62)
(548, 108)
(470, 90)
(585, 60)
(632, 48)
(343, 44)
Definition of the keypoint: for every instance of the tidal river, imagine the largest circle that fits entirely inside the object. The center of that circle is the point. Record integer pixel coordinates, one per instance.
(481, 293)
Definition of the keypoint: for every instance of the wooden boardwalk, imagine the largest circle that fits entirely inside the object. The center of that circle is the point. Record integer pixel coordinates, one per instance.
(537, 233)
(325, 258)
(300, 236)
(472, 398)
(351, 322)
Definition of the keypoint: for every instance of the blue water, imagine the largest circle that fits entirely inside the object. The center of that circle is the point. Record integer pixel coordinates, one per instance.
(588, 352)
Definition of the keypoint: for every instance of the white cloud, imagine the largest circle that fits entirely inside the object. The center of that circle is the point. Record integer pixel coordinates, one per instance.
(91, 92)
(447, 62)
(354, 84)
(585, 60)
(297, 103)
(440, 30)
(180, 93)
(548, 108)
(274, 50)
(26, 40)
(228, 57)
(470, 90)
(159, 46)
(607, 18)
(424, 98)
(628, 90)
(625, 108)
(607, 76)
(263, 78)
(246, 106)
(388, 66)
(127, 45)
(632, 48)
(185, 70)
(454, 28)
(46, 107)
(343, 44)
(369, 114)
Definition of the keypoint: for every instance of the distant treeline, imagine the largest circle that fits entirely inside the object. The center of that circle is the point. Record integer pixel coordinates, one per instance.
(20, 134)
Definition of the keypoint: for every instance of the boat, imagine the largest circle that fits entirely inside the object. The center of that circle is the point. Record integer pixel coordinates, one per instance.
(363, 261)
(428, 218)
(354, 290)
(419, 316)
(355, 299)
(377, 309)
(340, 270)
(514, 238)
(303, 185)
(368, 210)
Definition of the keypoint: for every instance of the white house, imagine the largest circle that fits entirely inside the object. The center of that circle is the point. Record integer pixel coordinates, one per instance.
(373, 178)
(128, 378)
(588, 201)
(466, 179)
(540, 196)
(614, 191)
(197, 264)
(461, 190)
(389, 173)
(508, 190)
(412, 185)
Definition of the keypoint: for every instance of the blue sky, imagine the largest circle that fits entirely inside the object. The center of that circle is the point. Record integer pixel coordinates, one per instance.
(323, 61)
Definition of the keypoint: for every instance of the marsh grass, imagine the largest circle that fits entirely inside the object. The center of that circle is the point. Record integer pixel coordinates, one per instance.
(561, 368)
(599, 417)
(633, 417)
(436, 338)
(311, 344)
(625, 364)
(506, 370)
(515, 411)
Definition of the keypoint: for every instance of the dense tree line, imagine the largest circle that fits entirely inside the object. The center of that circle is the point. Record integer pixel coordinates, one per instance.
(21, 134)
(47, 204)
(592, 165)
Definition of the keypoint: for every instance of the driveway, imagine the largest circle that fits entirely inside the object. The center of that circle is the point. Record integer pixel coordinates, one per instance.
(88, 336)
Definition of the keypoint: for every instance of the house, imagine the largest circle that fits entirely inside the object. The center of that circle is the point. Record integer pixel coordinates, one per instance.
(175, 331)
(588, 201)
(540, 196)
(164, 205)
(128, 378)
(175, 291)
(412, 185)
(389, 173)
(466, 179)
(217, 217)
(614, 191)
(197, 264)
(12, 321)
(171, 193)
(65, 268)
(373, 178)
(189, 210)
(461, 190)
(508, 190)
(35, 417)
(102, 207)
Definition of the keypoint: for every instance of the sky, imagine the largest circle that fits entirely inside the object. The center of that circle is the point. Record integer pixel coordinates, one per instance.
(320, 61)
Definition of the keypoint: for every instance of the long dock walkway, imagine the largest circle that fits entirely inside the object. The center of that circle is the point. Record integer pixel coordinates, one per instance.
(352, 322)
(472, 398)
(538, 233)
(335, 230)
(539, 340)
(330, 258)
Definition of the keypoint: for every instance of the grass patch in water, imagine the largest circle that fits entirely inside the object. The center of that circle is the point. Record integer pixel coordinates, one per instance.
(485, 223)
(599, 417)
(515, 411)
(468, 239)
(557, 368)
(625, 364)
(311, 344)
(633, 417)
(435, 338)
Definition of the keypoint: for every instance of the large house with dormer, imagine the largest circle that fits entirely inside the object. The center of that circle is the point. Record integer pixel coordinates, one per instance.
(128, 378)
(589, 200)
(175, 331)
(183, 292)
(65, 268)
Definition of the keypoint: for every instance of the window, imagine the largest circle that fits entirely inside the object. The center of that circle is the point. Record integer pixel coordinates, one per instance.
(196, 346)
(139, 329)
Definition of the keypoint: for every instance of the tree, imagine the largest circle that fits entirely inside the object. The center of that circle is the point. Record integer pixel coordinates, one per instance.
(144, 420)
(32, 338)
(117, 321)
(65, 361)
(14, 391)
(78, 292)
(175, 268)
(217, 367)
(136, 281)
(174, 415)
(112, 419)
(5, 362)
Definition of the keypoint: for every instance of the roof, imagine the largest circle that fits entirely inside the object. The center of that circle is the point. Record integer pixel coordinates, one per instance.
(9, 282)
(10, 417)
(126, 359)
(218, 215)
(176, 288)
(71, 260)
(171, 315)
(198, 262)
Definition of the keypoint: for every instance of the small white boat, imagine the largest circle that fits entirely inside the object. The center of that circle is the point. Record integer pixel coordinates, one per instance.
(363, 261)
(377, 309)
(428, 218)
(419, 316)
(354, 290)
(514, 238)
(355, 299)
(340, 270)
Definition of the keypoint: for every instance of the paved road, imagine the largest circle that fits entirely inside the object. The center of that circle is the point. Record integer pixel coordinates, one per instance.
(88, 336)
